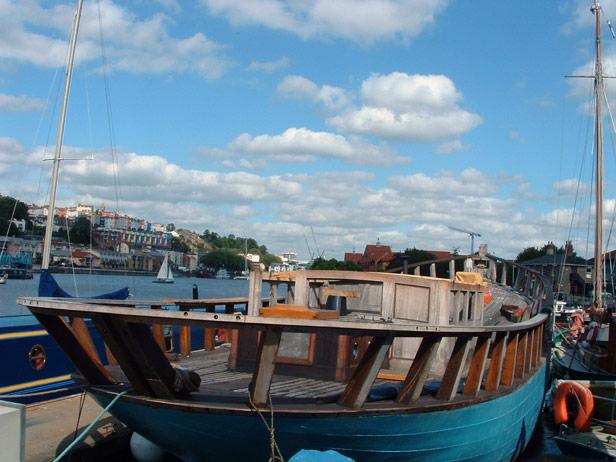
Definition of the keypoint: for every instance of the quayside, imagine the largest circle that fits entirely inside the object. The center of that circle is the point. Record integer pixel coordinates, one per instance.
(403, 368)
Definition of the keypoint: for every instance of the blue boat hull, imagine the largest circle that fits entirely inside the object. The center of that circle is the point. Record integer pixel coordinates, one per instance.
(20, 381)
(490, 431)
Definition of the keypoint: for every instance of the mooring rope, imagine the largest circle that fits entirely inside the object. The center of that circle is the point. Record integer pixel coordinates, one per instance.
(275, 453)
(87, 430)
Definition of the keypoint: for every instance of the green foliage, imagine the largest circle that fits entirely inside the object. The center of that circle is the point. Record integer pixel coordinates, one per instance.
(7, 204)
(233, 242)
(333, 264)
(180, 245)
(530, 253)
(220, 258)
(81, 231)
(268, 259)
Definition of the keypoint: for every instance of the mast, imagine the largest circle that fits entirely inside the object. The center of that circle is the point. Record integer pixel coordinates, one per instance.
(598, 273)
(58, 154)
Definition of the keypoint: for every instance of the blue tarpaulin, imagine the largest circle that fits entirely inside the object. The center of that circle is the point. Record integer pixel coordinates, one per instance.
(312, 455)
(48, 287)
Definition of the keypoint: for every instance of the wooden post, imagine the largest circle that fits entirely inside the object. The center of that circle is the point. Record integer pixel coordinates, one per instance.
(419, 370)
(478, 365)
(264, 367)
(510, 360)
(358, 388)
(453, 373)
(496, 363)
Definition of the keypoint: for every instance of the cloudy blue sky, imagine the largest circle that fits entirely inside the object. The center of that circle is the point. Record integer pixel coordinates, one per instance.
(388, 119)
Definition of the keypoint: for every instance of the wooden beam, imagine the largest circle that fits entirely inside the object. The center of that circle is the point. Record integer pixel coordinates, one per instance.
(510, 360)
(496, 362)
(521, 365)
(478, 366)
(89, 366)
(357, 390)
(530, 350)
(453, 373)
(135, 349)
(83, 334)
(419, 370)
(265, 365)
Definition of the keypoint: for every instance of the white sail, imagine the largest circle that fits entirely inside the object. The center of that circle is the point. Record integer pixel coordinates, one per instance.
(164, 273)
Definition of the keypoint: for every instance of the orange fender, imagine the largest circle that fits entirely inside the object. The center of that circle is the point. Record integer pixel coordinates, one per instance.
(487, 296)
(586, 405)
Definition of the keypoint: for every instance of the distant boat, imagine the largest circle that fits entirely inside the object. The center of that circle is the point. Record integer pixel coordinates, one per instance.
(165, 276)
(223, 274)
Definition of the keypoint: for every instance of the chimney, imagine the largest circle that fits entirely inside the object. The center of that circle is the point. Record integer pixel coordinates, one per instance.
(549, 250)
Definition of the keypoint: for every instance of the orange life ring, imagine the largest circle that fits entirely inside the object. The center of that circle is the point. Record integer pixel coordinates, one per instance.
(589, 337)
(585, 409)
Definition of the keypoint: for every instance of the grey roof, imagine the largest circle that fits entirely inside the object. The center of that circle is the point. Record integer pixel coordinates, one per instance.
(556, 259)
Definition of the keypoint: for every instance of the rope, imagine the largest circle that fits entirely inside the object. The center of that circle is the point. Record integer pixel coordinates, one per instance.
(276, 454)
(87, 430)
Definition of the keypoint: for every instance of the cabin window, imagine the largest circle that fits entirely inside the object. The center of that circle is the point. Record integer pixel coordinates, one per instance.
(471, 300)
(37, 357)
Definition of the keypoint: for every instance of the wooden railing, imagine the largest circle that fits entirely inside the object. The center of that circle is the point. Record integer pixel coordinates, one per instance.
(516, 353)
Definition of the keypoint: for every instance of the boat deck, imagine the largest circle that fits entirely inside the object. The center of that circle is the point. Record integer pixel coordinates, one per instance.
(223, 390)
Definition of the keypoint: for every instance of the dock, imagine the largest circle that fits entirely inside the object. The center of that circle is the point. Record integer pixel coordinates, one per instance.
(52, 425)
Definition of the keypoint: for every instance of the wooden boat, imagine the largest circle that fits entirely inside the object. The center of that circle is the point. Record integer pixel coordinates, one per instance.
(405, 369)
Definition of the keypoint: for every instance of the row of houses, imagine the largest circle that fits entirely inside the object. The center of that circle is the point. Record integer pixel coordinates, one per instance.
(65, 216)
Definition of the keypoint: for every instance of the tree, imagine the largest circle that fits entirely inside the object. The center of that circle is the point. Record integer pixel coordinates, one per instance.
(268, 259)
(333, 264)
(11, 207)
(170, 227)
(219, 258)
(81, 231)
(180, 245)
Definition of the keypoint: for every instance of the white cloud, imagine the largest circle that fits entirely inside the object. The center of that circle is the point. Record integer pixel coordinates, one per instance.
(304, 145)
(398, 106)
(451, 147)
(11, 150)
(269, 66)
(10, 103)
(39, 35)
(363, 22)
(296, 86)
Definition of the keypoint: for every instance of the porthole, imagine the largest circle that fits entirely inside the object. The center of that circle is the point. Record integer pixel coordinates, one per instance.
(38, 357)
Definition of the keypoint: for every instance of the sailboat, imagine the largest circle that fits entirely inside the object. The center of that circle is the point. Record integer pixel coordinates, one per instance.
(584, 358)
(37, 369)
(587, 426)
(165, 276)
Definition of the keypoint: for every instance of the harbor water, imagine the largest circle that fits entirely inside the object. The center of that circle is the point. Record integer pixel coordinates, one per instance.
(142, 288)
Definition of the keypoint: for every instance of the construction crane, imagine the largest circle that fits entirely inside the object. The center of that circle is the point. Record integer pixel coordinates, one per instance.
(472, 234)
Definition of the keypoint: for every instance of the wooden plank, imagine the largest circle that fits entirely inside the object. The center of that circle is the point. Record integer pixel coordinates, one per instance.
(453, 373)
(357, 390)
(340, 293)
(255, 292)
(496, 362)
(92, 369)
(477, 368)
(83, 334)
(510, 360)
(145, 365)
(297, 312)
(529, 353)
(419, 370)
(521, 365)
(302, 294)
(185, 340)
(265, 365)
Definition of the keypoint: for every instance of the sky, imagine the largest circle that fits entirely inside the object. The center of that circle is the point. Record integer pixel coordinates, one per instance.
(316, 127)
